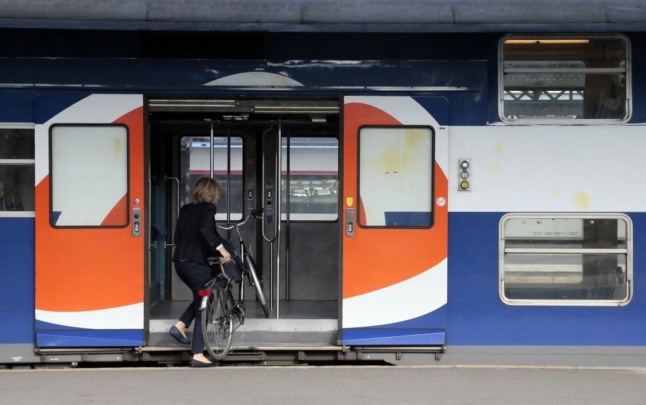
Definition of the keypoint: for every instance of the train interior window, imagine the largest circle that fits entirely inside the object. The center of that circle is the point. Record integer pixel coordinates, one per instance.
(565, 260)
(227, 170)
(564, 79)
(17, 169)
(312, 165)
(396, 177)
(89, 175)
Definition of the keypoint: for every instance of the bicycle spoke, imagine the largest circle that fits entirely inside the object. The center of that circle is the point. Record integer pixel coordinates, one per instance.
(217, 325)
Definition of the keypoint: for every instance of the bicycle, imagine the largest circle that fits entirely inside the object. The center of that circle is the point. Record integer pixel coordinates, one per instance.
(221, 314)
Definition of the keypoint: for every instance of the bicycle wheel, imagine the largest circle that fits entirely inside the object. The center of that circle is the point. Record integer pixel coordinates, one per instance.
(217, 325)
(253, 280)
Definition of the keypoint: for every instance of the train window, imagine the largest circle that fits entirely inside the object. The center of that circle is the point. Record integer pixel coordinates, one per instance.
(227, 170)
(396, 177)
(89, 175)
(564, 79)
(565, 259)
(16, 169)
(313, 179)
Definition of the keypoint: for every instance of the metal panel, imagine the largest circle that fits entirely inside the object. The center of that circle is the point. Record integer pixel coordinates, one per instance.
(298, 15)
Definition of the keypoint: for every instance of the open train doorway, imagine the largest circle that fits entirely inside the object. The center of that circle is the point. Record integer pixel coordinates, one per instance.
(278, 156)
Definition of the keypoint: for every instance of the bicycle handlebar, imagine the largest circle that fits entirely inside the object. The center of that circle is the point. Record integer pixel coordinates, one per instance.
(253, 213)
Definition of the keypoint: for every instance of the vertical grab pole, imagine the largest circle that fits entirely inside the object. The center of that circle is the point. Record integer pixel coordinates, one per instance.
(279, 173)
(263, 196)
(272, 209)
(211, 150)
(177, 206)
(228, 176)
(287, 209)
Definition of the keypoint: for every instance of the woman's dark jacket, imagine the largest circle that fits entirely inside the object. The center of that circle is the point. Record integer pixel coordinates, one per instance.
(196, 236)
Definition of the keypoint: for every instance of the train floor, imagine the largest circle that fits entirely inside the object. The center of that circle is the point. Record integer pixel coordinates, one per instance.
(292, 324)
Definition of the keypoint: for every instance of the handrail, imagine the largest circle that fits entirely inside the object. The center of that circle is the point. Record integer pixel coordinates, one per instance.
(276, 204)
(177, 207)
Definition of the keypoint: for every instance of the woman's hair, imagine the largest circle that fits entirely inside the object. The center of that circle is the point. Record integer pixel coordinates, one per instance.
(207, 190)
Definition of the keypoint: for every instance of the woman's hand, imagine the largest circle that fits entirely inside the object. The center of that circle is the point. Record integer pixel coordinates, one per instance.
(226, 256)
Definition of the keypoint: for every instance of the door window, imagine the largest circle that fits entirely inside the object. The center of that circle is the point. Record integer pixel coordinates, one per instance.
(89, 175)
(227, 170)
(313, 179)
(396, 177)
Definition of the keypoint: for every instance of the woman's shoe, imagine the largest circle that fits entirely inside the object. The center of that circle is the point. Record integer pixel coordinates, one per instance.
(174, 332)
(198, 364)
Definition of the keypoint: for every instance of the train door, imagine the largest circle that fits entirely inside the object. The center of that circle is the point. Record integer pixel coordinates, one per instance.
(90, 200)
(279, 155)
(289, 170)
(395, 221)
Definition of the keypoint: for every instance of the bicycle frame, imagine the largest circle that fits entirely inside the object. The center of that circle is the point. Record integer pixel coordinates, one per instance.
(246, 263)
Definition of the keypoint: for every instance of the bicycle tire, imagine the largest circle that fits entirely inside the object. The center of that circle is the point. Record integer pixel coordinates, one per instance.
(253, 280)
(217, 325)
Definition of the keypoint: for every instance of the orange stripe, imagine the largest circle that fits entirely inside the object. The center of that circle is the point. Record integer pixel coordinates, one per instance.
(376, 258)
(119, 213)
(89, 269)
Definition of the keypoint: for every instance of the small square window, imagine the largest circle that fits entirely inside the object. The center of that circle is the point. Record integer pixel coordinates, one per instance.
(17, 170)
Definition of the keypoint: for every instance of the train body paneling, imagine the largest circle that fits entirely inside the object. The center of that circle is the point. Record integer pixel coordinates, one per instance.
(449, 80)
(566, 179)
(17, 237)
(477, 317)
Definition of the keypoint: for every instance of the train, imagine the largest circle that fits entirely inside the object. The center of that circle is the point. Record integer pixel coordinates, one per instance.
(440, 184)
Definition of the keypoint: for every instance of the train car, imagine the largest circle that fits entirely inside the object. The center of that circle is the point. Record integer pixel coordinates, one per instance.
(454, 183)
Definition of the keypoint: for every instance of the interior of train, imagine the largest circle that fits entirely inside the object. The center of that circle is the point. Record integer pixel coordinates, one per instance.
(238, 142)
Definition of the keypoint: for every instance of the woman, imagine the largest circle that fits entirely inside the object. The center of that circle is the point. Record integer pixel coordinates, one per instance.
(197, 238)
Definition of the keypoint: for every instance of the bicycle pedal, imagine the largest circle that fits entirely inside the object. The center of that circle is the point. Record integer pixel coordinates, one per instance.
(239, 313)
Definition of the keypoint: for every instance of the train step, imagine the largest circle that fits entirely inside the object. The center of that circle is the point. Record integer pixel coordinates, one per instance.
(255, 333)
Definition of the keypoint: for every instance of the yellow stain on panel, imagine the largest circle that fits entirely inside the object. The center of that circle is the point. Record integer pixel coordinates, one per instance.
(498, 149)
(118, 146)
(397, 153)
(556, 193)
(391, 158)
(384, 159)
(416, 144)
(582, 201)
